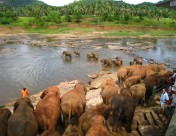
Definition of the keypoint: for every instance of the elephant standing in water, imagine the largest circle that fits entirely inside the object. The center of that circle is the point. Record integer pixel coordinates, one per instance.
(22, 122)
(67, 54)
(4, 116)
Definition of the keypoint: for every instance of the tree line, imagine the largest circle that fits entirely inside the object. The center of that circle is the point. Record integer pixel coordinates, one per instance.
(103, 10)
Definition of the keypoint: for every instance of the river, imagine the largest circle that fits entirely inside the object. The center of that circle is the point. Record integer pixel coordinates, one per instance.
(37, 67)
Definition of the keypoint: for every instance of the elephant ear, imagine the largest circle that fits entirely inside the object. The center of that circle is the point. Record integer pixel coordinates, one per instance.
(43, 94)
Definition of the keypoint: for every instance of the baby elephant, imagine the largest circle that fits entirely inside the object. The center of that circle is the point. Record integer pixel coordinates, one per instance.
(67, 54)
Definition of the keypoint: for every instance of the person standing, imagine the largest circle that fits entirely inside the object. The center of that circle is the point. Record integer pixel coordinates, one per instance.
(24, 92)
(163, 99)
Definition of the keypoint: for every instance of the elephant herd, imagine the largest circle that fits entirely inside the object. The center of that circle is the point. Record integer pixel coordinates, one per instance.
(134, 86)
(105, 62)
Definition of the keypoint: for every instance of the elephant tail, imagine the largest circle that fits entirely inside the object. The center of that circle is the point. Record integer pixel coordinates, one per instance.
(69, 115)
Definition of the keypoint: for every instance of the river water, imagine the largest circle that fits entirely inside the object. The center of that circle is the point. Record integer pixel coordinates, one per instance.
(37, 67)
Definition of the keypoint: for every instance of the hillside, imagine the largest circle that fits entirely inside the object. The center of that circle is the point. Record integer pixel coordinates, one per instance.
(19, 3)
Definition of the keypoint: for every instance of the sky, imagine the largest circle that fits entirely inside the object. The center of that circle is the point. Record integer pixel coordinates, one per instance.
(65, 2)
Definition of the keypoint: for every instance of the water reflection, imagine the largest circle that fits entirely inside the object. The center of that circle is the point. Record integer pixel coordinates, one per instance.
(37, 67)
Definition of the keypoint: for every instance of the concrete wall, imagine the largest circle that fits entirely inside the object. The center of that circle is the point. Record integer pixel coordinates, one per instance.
(171, 130)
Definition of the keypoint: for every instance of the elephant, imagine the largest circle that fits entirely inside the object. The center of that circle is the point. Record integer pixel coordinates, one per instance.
(93, 56)
(47, 110)
(119, 59)
(108, 91)
(67, 54)
(106, 62)
(150, 82)
(131, 63)
(5, 114)
(23, 121)
(89, 56)
(138, 92)
(132, 80)
(122, 74)
(117, 62)
(139, 72)
(123, 108)
(138, 60)
(98, 127)
(73, 103)
(77, 53)
(85, 119)
(126, 92)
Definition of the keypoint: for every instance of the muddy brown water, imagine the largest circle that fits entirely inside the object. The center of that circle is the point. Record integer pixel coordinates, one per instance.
(37, 67)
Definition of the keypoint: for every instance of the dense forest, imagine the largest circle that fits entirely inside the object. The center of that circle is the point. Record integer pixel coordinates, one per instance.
(101, 11)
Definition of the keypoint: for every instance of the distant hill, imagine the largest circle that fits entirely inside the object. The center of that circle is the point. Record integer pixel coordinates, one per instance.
(20, 3)
(146, 4)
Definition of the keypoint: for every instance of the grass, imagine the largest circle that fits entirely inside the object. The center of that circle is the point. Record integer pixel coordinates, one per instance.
(59, 30)
(133, 28)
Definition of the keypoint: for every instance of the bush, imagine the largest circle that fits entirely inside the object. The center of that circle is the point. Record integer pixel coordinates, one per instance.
(7, 17)
(54, 16)
(68, 18)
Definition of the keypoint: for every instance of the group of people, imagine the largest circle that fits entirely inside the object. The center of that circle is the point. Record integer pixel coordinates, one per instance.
(168, 96)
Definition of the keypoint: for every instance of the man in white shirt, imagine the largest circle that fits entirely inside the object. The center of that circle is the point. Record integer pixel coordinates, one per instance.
(163, 99)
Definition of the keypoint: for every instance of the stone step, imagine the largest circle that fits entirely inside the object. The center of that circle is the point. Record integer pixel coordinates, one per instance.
(149, 130)
(158, 122)
(149, 118)
(139, 117)
(134, 124)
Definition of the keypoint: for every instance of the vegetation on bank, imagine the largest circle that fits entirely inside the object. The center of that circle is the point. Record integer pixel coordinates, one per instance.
(115, 17)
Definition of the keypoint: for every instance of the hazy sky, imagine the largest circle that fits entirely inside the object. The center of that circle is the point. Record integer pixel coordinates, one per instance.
(64, 2)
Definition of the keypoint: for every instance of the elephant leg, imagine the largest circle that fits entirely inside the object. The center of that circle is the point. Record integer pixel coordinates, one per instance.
(116, 116)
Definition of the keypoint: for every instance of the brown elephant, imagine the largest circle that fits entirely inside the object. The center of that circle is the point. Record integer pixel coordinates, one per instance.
(139, 72)
(133, 68)
(131, 63)
(77, 53)
(150, 82)
(126, 92)
(67, 54)
(98, 127)
(108, 91)
(85, 119)
(94, 56)
(132, 81)
(23, 121)
(47, 110)
(122, 74)
(5, 114)
(138, 92)
(106, 62)
(123, 111)
(73, 103)
(138, 60)
(117, 62)
(89, 56)
(119, 59)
